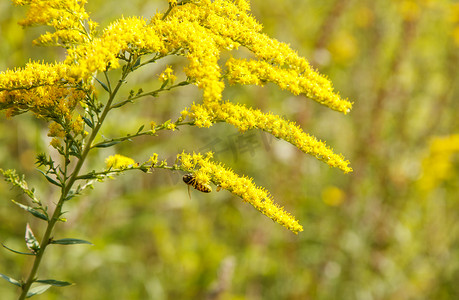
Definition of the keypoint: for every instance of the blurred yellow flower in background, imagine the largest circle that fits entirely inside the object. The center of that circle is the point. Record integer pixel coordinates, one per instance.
(333, 196)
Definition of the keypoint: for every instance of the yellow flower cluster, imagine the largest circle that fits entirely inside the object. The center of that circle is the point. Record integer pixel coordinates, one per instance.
(244, 118)
(453, 18)
(205, 171)
(438, 165)
(411, 10)
(167, 75)
(120, 36)
(78, 125)
(118, 161)
(200, 30)
(66, 16)
(48, 102)
(313, 86)
(45, 89)
(56, 130)
(36, 74)
(333, 196)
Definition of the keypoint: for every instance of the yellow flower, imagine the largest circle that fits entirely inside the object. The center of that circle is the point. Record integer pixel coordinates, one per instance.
(332, 196)
(153, 159)
(410, 10)
(167, 75)
(66, 16)
(55, 143)
(171, 126)
(45, 89)
(78, 125)
(153, 126)
(438, 165)
(56, 130)
(297, 81)
(118, 161)
(205, 171)
(244, 118)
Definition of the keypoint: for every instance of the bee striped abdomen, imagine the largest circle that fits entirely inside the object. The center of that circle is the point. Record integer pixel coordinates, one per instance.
(190, 179)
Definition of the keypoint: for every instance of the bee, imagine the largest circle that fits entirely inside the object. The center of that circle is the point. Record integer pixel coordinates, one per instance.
(190, 179)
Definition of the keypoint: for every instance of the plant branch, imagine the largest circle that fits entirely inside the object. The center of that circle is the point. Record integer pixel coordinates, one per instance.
(152, 93)
(66, 187)
(140, 133)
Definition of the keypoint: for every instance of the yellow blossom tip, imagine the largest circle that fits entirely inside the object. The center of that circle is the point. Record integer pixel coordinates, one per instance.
(205, 170)
(118, 161)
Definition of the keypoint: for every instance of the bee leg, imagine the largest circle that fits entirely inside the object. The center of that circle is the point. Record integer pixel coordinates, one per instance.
(189, 193)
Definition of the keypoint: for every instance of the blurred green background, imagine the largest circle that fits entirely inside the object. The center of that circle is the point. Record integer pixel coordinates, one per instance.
(389, 230)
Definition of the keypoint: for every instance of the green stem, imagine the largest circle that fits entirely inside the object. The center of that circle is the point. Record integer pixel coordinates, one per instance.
(65, 190)
(152, 93)
(142, 133)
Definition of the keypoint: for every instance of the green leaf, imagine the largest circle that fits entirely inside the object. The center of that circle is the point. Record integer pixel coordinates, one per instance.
(54, 282)
(31, 241)
(106, 144)
(164, 84)
(70, 241)
(75, 151)
(18, 252)
(88, 122)
(50, 179)
(11, 280)
(137, 63)
(37, 290)
(90, 175)
(103, 85)
(183, 83)
(140, 129)
(31, 210)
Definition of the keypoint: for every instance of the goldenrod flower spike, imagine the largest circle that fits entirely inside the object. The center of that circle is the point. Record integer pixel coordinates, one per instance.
(277, 62)
(66, 16)
(45, 89)
(203, 29)
(244, 118)
(259, 72)
(118, 161)
(206, 170)
(36, 74)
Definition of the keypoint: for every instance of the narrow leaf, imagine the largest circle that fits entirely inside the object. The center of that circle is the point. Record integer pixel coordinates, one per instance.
(183, 83)
(31, 210)
(54, 282)
(31, 241)
(88, 122)
(106, 144)
(137, 63)
(18, 252)
(103, 85)
(70, 241)
(164, 84)
(10, 280)
(75, 151)
(50, 179)
(37, 290)
(90, 175)
(140, 129)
